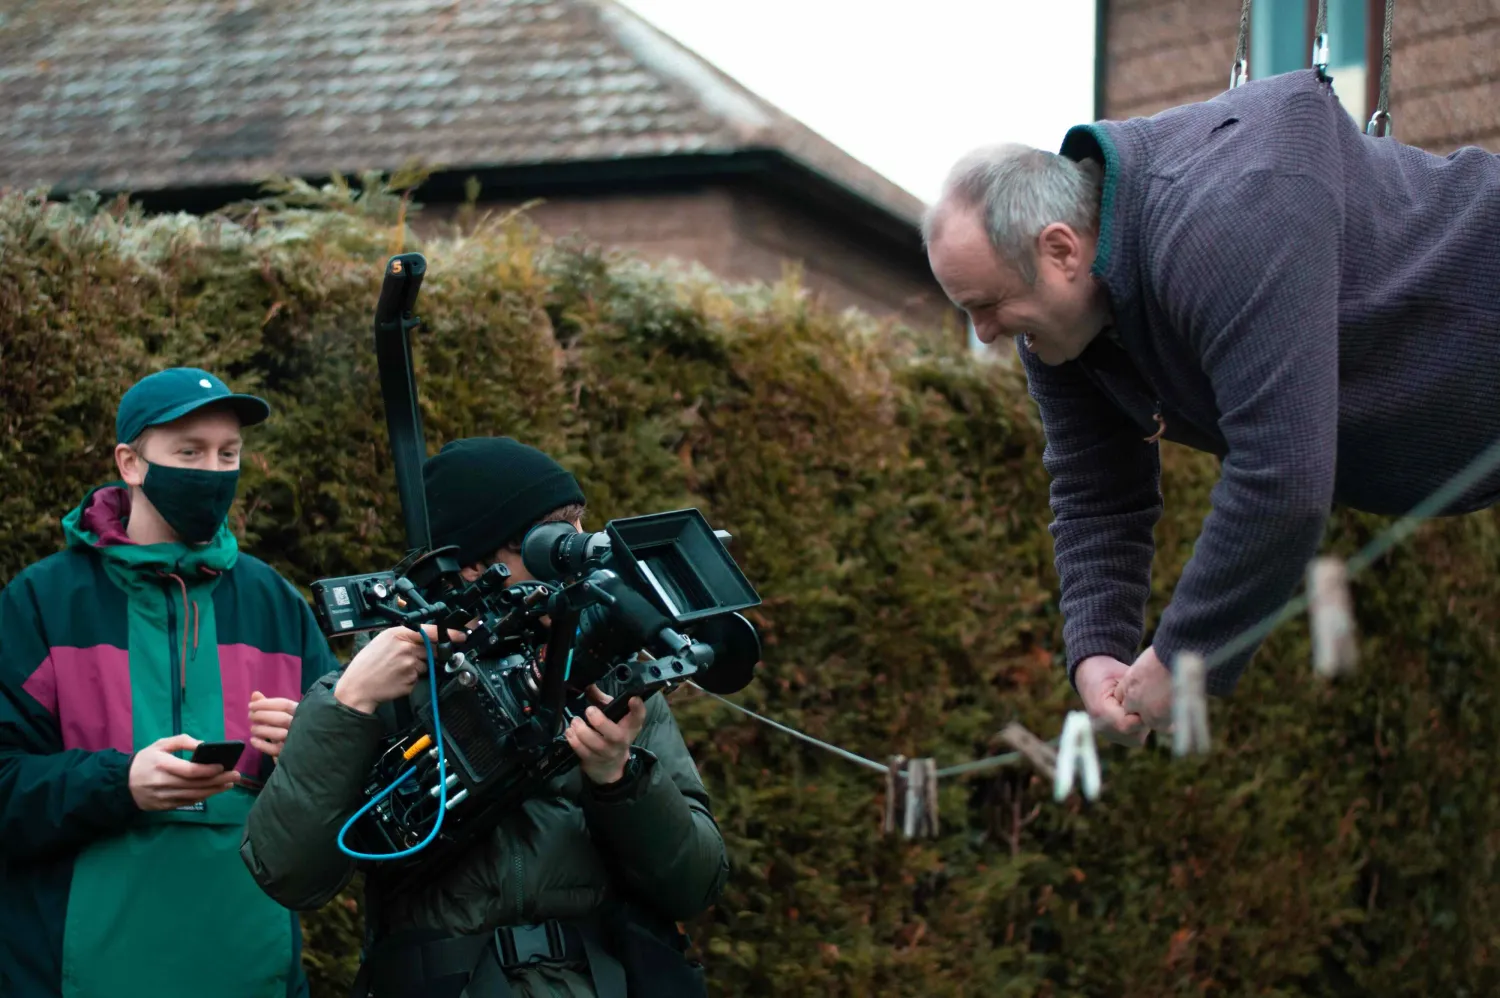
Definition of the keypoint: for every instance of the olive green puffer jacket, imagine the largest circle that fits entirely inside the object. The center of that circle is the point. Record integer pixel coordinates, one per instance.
(561, 855)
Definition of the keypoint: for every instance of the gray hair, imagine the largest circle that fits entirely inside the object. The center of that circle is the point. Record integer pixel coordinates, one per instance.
(1021, 191)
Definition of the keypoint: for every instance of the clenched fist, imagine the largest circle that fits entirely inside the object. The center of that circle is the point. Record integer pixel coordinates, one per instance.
(270, 719)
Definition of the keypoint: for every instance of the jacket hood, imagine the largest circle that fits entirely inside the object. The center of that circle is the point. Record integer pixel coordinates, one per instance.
(98, 523)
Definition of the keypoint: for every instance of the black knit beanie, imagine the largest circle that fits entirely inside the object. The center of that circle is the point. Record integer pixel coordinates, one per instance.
(485, 491)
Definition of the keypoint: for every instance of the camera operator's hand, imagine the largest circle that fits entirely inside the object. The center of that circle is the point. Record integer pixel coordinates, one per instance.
(386, 668)
(270, 720)
(602, 745)
(160, 781)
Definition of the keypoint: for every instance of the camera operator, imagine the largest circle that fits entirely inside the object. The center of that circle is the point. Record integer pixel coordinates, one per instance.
(577, 891)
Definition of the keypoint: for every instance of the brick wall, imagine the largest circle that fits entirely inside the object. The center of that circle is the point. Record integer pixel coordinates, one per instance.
(1445, 63)
(692, 225)
(1445, 73)
(1161, 53)
(844, 267)
(743, 235)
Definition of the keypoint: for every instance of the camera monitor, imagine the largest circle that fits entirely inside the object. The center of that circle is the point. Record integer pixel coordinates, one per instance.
(683, 564)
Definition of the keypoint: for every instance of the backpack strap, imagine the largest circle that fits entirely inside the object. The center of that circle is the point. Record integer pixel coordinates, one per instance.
(421, 965)
(424, 965)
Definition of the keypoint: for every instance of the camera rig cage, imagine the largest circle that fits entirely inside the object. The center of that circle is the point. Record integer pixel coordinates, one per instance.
(638, 607)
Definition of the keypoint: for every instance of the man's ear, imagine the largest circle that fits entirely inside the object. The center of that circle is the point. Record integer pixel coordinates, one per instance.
(472, 572)
(1061, 247)
(132, 468)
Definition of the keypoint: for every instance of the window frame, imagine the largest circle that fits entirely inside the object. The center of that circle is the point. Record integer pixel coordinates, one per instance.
(1374, 11)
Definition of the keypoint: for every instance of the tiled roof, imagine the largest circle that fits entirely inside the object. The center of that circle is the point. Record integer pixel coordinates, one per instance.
(146, 95)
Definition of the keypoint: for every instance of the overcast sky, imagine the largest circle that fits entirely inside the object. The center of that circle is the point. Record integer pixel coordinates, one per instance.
(908, 87)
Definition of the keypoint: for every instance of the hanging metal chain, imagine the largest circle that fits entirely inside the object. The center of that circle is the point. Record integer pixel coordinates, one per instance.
(1380, 122)
(1241, 71)
(1320, 42)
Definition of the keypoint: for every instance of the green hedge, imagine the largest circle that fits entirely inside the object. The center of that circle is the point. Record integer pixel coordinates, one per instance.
(887, 498)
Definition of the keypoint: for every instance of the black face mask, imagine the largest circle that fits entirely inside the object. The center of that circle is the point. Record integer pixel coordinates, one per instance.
(194, 502)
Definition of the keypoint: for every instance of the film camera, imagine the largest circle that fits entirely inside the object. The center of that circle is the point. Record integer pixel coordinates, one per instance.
(642, 605)
(645, 604)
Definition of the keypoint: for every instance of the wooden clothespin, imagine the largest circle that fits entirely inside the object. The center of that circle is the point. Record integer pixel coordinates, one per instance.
(1041, 755)
(1331, 609)
(921, 799)
(1189, 705)
(1077, 754)
(911, 802)
(895, 795)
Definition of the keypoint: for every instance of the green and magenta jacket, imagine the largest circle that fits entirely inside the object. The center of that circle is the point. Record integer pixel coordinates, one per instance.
(106, 647)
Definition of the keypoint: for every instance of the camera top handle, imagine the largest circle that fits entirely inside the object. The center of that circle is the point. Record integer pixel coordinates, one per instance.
(395, 318)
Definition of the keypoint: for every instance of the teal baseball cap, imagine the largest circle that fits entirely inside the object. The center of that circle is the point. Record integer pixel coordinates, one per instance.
(171, 394)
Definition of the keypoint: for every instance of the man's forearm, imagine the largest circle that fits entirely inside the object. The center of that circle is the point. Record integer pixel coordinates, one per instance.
(52, 799)
(1104, 571)
(1105, 499)
(1246, 565)
(291, 836)
(61, 801)
(348, 692)
(670, 852)
(1103, 545)
(1258, 306)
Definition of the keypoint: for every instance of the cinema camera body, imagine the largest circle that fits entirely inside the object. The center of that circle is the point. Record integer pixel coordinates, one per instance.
(639, 607)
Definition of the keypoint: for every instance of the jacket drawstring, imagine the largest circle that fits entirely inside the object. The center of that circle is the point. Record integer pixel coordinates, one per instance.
(186, 612)
(189, 609)
(1161, 427)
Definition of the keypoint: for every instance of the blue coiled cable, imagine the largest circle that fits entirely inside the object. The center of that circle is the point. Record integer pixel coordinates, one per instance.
(437, 733)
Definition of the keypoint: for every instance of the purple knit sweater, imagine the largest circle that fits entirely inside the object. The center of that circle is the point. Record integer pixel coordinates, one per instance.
(1319, 308)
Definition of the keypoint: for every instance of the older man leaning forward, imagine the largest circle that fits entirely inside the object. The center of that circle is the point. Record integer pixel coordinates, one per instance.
(1250, 276)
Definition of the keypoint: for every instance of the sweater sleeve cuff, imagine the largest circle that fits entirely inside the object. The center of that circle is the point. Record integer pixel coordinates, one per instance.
(1120, 649)
(1219, 681)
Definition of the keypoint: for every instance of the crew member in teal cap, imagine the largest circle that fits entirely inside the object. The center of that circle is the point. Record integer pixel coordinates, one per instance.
(151, 633)
(186, 494)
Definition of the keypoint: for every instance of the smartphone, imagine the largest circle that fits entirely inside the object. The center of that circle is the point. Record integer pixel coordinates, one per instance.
(224, 754)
